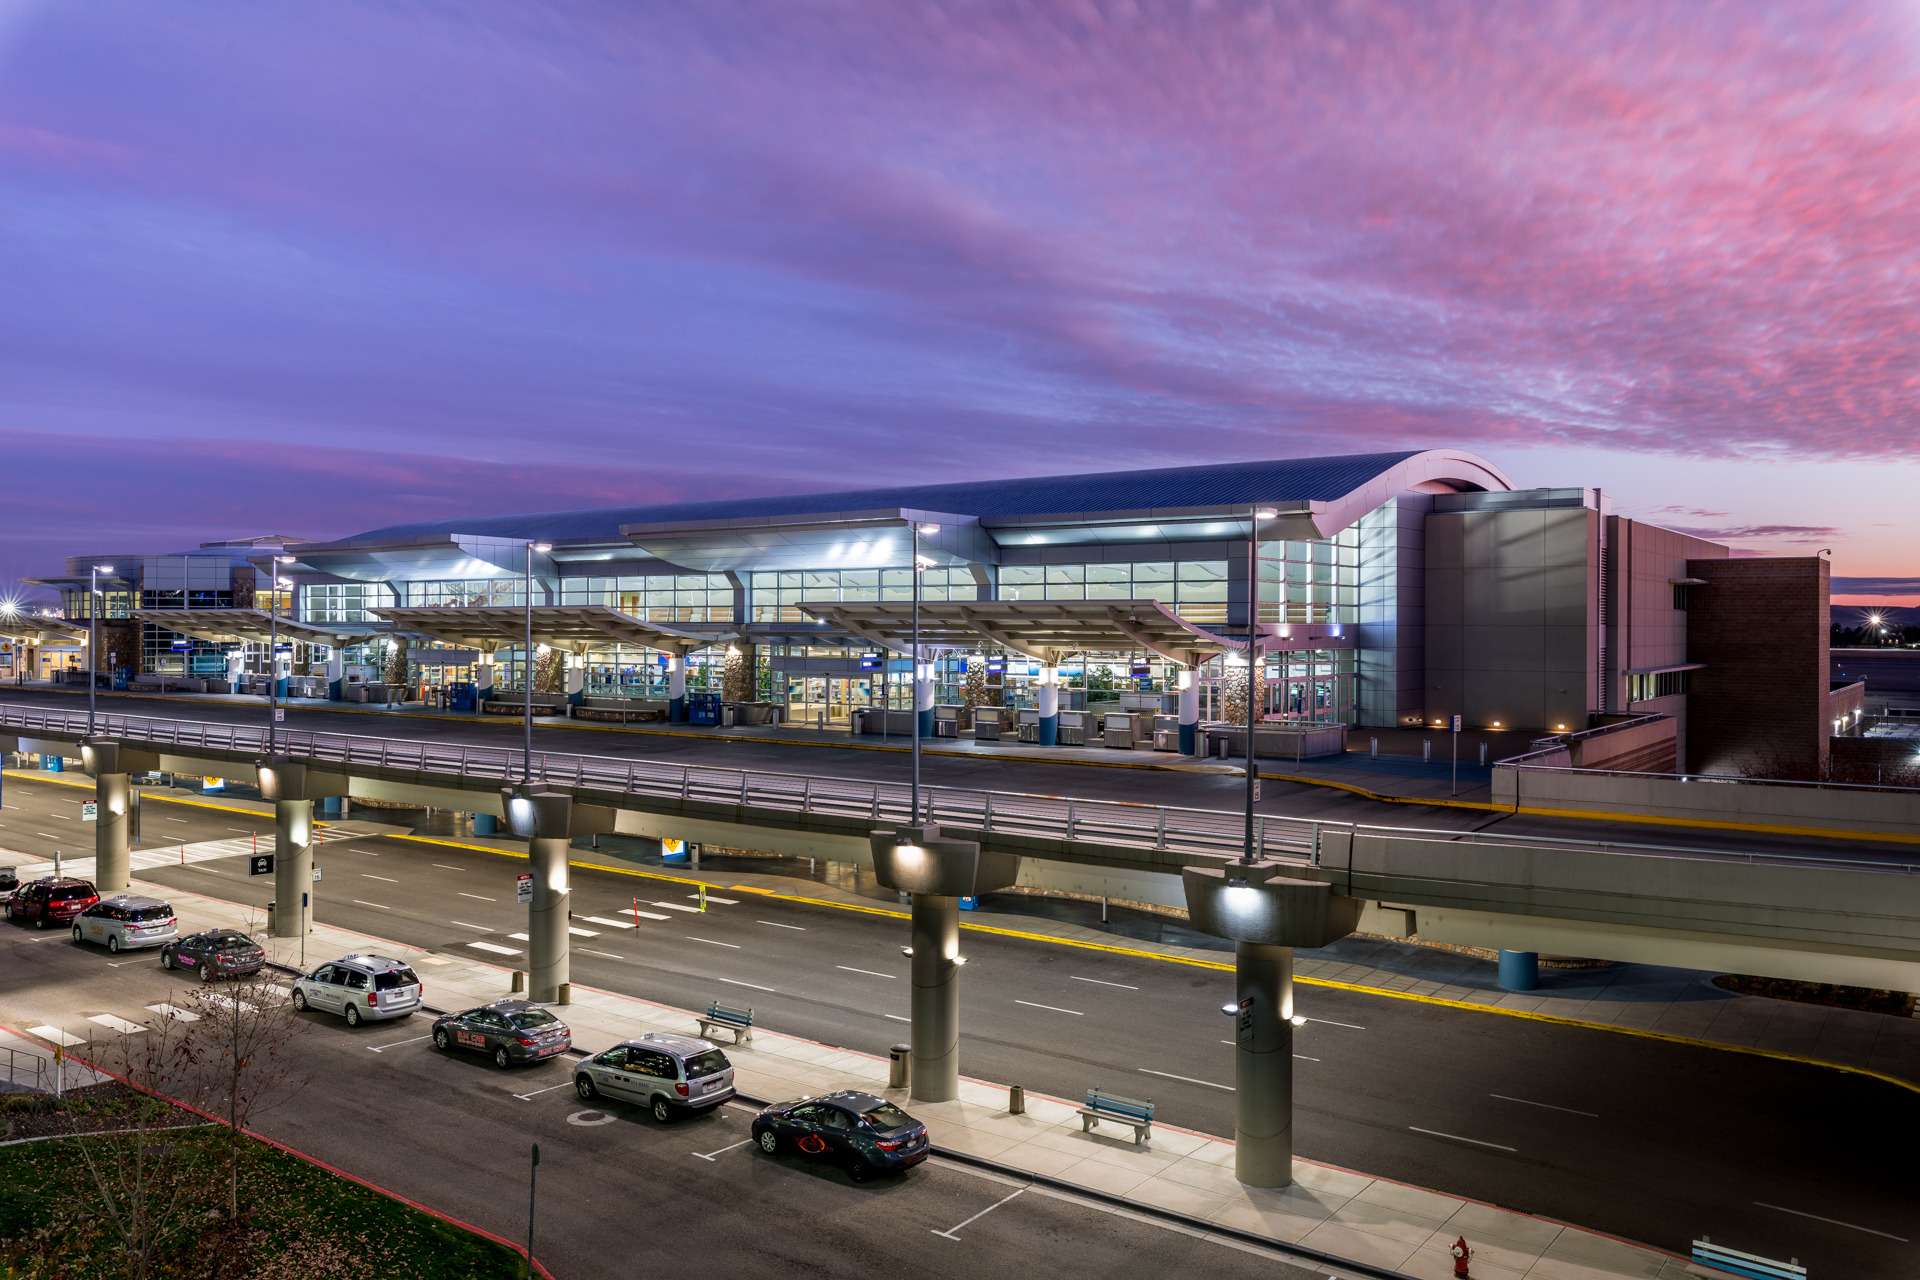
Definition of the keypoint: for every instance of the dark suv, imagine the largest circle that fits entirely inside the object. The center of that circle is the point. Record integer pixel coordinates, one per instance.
(868, 1135)
(51, 900)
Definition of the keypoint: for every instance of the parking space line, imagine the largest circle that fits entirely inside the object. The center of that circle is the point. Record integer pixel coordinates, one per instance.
(1327, 1022)
(611, 924)
(756, 986)
(608, 954)
(520, 937)
(948, 1233)
(1593, 1115)
(462, 893)
(674, 906)
(731, 902)
(112, 1023)
(1303, 1057)
(1105, 984)
(168, 1011)
(710, 942)
(1457, 1138)
(582, 933)
(524, 1097)
(363, 902)
(711, 1154)
(896, 1017)
(56, 1035)
(776, 924)
(382, 1048)
(464, 925)
(1777, 1208)
(364, 875)
(869, 972)
(444, 867)
(1055, 1008)
(1189, 1079)
(497, 950)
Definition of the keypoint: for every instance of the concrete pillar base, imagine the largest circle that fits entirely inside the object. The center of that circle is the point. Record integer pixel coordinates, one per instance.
(292, 868)
(549, 951)
(935, 999)
(1263, 1065)
(113, 863)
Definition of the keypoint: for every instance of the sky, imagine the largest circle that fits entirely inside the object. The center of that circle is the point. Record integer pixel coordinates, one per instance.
(312, 269)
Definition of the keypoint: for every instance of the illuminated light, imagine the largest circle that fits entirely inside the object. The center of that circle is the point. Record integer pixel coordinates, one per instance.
(906, 951)
(1297, 1020)
(959, 959)
(929, 529)
(1230, 1009)
(543, 547)
(1265, 513)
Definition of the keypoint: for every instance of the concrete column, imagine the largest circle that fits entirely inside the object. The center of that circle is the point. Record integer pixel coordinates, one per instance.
(923, 700)
(336, 675)
(935, 1000)
(482, 683)
(677, 689)
(292, 868)
(576, 680)
(1263, 1065)
(1189, 711)
(1519, 970)
(236, 666)
(548, 942)
(280, 668)
(112, 862)
(1049, 700)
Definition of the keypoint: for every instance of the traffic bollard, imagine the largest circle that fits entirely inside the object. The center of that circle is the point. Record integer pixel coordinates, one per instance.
(519, 980)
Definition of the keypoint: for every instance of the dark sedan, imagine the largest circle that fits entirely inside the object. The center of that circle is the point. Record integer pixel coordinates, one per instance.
(869, 1135)
(512, 1032)
(217, 953)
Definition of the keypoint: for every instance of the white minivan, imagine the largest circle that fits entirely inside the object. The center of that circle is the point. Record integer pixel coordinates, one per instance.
(125, 921)
(360, 988)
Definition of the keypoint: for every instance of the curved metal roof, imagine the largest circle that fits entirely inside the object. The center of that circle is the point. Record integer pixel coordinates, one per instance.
(1216, 484)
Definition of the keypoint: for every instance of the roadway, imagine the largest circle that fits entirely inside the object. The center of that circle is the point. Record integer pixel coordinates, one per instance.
(1196, 789)
(1893, 674)
(1653, 1141)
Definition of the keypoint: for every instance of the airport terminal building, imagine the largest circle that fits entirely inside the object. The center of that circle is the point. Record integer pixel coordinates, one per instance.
(1386, 590)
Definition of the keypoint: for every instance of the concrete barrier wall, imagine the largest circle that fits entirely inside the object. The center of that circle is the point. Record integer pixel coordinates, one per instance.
(1745, 804)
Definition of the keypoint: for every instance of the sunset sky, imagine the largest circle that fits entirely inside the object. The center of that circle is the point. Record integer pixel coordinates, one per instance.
(311, 269)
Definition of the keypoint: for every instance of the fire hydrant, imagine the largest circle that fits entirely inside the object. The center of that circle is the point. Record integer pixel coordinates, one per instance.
(1461, 1255)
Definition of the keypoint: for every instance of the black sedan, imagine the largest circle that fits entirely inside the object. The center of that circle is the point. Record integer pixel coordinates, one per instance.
(512, 1032)
(869, 1135)
(217, 953)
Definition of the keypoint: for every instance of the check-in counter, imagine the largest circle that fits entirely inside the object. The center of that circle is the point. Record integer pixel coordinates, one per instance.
(1166, 733)
(1029, 722)
(946, 721)
(1074, 728)
(986, 724)
(1129, 730)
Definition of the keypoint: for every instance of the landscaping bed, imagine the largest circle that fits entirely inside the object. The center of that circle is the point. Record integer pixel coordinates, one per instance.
(1900, 1004)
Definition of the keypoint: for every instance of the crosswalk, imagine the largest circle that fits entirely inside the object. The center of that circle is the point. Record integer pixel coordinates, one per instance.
(101, 1026)
(634, 913)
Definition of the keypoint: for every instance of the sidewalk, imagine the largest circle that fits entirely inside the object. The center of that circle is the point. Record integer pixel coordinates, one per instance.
(1331, 1209)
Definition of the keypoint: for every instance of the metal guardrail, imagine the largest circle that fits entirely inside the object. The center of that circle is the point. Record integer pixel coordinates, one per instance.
(1518, 763)
(1212, 833)
(28, 1071)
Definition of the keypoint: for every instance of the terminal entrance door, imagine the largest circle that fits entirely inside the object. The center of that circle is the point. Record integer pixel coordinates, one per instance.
(826, 698)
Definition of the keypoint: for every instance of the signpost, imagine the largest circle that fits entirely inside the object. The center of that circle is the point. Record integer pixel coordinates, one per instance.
(260, 864)
(1456, 755)
(523, 889)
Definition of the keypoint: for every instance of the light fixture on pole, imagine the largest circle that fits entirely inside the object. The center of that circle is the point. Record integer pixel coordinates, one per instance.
(1255, 661)
(526, 666)
(273, 645)
(918, 529)
(93, 642)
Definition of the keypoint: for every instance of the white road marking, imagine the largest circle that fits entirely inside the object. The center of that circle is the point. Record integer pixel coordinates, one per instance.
(520, 937)
(1548, 1105)
(497, 950)
(444, 867)
(382, 1048)
(611, 924)
(537, 1092)
(363, 902)
(731, 902)
(776, 924)
(948, 1233)
(112, 1023)
(711, 1154)
(674, 906)
(1055, 1008)
(56, 1035)
(482, 897)
(1303, 1057)
(649, 915)
(608, 954)
(1779, 1208)
(1329, 1022)
(48, 834)
(1457, 1138)
(174, 819)
(1189, 1079)
(869, 972)
(167, 1010)
(756, 986)
(896, 1017)
(1106, 984)
(583, 933)
(367, 876)
(464, 925)
(710, 942)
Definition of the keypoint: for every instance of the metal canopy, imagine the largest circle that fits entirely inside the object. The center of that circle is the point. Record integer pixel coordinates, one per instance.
(1048, 630)
(252, 626)
(41, 631)
(575, 628)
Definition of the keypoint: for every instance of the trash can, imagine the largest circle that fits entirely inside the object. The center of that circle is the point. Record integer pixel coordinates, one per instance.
(1016, 1100)
(897, 1065)
(270, 920)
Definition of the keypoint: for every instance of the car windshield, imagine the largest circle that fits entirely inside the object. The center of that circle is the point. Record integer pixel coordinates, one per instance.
(531, 1018)
(393, 978)
(886, 1116)
(709, 1063)
(149, 913)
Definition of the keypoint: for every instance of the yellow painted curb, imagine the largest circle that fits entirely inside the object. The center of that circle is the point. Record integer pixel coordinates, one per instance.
(204, 804)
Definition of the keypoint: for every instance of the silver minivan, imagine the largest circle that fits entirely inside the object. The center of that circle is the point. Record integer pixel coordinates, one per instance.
(360, 988)
(667, 1074)
(126, 921)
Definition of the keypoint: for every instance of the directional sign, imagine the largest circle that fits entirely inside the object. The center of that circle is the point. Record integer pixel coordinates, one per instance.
(523, 891)
(279, 714)
(1243, 1024)
(316, 875)
(260, 864)
(89, 811)
(1456, 724)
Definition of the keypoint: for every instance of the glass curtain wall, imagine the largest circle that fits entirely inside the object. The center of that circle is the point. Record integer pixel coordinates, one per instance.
(1311, 581)
(1313, 686)
(667, 598)
(776, 596)
(343, 601)
(1196, 590)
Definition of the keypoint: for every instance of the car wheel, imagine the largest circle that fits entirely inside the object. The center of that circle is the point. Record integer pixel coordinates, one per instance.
(662, 1110)
(583, 1085)
(353, 1014)
(860, 1170)
(500, 1058)
(41, 923)
(441, 1039)
(206, 971)
(769, 1141)
(166, 959)
(77, 935)
(113, 943)
(299, 1000)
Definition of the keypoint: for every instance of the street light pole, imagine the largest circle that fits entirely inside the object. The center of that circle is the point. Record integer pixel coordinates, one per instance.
(1253, 620)
(526, 675)
(93, 641)
(914, 702)
(273, 644)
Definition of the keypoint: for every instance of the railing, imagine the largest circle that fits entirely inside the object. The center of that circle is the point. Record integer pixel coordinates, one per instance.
(27, 1070)
(1519, 763)
(1122, 824)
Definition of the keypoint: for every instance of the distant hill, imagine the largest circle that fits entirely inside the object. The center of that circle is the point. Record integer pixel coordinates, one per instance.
(1856, 615)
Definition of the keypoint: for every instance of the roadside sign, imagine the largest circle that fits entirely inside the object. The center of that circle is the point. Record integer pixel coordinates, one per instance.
(670, 848)
(279, 714)
(89, 811)
(213, 784)
(523, 889)
(1256, 791)
(316, 875)
(1243, 1024)
(260, 864)
(1456, 724)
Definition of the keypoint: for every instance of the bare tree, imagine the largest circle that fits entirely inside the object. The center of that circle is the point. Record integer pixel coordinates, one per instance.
(242, 1042)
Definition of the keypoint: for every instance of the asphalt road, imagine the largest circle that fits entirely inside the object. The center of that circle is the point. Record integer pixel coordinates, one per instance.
(453, 1132)
(1652, 1141)
(1155, 786)
(1891, 673)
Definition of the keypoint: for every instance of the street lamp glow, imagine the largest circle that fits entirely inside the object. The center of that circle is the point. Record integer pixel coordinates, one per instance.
(1265, 513)
(543, 547)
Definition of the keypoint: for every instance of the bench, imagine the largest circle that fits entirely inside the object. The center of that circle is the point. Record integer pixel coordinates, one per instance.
(1111, 1106)
(720, 1016)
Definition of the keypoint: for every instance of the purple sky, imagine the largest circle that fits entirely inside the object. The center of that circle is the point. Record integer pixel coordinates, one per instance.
(312, 269)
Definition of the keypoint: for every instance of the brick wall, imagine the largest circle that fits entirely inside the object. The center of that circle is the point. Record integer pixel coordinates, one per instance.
(1759, 706)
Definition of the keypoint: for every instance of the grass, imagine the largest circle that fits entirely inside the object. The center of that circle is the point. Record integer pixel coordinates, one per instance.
(297, 1222)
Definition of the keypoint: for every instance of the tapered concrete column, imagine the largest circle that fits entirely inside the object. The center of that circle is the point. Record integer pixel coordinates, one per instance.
(1263, 1065)
(112, 794)
(336, 674)
(1189, 711)
(576, 679)
(284, 781)
(935, 1000)
(549, 949)
(923, 700)
(677, 689)
(1049, 706)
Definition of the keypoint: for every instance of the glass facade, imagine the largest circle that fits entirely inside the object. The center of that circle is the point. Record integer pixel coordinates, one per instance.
(467, 592)
(343, 601)
(658, 597)
(1196, 590)
(776, 596)
(78, 603)
(1311, 581)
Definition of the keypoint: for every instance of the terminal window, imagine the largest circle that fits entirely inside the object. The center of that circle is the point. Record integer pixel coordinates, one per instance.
(777, 596)
(1194, 589)
(657, 597)
(471, 593)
